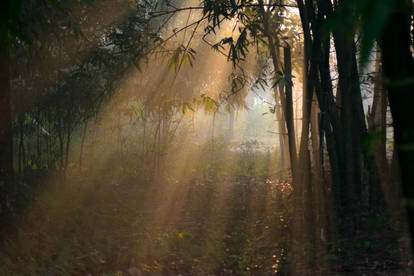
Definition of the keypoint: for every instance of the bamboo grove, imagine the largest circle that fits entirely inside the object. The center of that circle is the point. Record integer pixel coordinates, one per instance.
(347, 154)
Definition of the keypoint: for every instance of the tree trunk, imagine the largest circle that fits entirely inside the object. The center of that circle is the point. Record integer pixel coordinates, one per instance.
(327, 120)
(38, 143)
(377, 128)
(398, 66)
(68, 138)
(21, 145)
(61, 143)
(85, 127)
(289, 110)
(317, 154)
(351, 103)
(6, 134)
(282, 132)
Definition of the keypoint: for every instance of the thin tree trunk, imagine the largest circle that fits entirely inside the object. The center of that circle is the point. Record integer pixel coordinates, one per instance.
(377, 127)
(61, 144)
(317, 154)
(6, 134)
(289, 102)
(48, 147)
(289, 109)
(21, 145)
(68, 138)
(284, 148)
(38, 143)
(144, 150)
(85, 127)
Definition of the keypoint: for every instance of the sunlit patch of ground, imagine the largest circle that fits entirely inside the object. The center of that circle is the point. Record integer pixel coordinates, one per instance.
(208, 221)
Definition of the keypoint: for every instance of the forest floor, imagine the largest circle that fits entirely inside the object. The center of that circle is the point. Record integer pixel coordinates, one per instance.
(122, 225)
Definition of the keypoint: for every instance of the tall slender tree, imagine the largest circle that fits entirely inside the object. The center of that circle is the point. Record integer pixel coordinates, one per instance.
(6, 134)
(398, 66)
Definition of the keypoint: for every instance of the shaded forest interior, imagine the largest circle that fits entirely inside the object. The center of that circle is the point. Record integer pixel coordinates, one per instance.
(186, 137)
